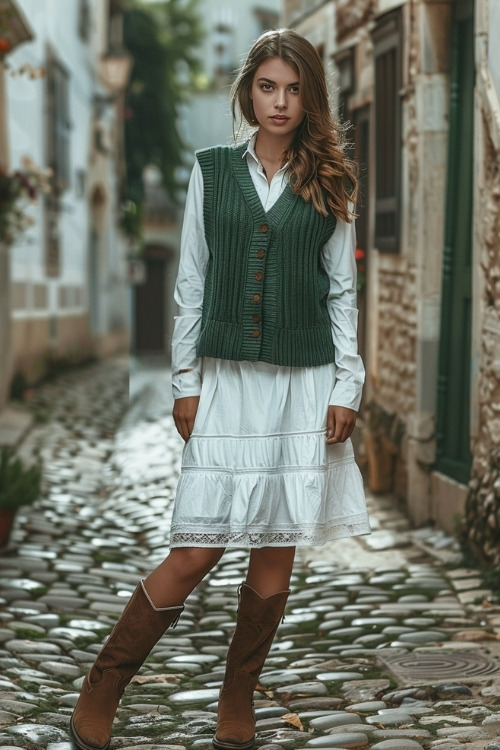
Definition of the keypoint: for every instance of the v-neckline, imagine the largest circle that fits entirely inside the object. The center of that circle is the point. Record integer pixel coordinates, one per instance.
(281, 206)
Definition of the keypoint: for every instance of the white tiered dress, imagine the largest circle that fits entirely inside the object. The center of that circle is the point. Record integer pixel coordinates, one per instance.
(256, 470)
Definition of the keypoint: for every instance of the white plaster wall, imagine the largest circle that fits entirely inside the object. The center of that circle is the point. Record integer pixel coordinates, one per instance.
(55, 26)
(206, 121)
(384, 6)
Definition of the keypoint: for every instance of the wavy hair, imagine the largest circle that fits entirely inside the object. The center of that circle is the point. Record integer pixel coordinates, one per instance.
(318, 168)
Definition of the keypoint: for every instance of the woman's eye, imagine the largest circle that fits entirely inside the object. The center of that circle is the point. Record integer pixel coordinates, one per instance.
(294, 89)
(266, 87)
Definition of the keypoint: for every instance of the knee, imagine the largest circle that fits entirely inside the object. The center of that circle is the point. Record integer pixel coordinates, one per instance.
(192, 562)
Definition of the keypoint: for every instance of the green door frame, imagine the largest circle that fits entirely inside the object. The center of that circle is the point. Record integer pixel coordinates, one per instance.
(453, 399)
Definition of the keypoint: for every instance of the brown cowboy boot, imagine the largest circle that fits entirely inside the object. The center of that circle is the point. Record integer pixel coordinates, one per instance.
(256, 624)
(140, 626)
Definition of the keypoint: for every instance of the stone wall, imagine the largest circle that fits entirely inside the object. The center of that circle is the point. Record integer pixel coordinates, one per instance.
(404, 349)
(4, 262)
(392, 377)
(397, 335)
(482, 518)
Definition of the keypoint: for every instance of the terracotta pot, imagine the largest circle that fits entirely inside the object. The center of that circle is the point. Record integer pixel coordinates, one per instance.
(7, 516)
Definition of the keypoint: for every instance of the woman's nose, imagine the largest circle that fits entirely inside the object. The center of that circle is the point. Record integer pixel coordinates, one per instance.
(280, 100)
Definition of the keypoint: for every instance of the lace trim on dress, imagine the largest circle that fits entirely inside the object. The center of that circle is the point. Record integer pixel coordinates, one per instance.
(275, 538)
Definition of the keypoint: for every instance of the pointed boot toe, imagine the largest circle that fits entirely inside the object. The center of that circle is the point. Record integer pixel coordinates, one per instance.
(91, 741)
(232, 740)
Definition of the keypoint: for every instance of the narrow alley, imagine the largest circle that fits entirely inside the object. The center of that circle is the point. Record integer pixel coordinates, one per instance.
(388, 642)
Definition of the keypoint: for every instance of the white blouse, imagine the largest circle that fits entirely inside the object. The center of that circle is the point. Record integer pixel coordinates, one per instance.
(338, 260)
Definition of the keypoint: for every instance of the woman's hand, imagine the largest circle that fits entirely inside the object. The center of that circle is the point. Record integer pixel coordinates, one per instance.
(184, 413)
(339, 424)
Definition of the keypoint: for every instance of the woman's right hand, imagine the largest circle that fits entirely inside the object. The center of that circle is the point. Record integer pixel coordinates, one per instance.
(184, 413)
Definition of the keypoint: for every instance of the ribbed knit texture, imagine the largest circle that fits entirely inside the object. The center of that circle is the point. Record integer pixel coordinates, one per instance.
(265, 290)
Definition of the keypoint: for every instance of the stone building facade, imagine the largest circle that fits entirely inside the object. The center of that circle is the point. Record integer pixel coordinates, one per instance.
(419, 80)
(65, 287)
(482, 517)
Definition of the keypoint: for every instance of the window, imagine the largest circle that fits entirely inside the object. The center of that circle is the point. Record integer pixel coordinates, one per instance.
(387, 60)
(223, 53)
(52, 240)
(59, 126)
(266, 19)
(58, 147)
(84, 21)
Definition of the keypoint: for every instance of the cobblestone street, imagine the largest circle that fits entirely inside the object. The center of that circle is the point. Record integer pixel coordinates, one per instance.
(388, 642)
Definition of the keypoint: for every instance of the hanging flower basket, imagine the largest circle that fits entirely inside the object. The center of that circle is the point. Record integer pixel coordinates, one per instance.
(18, 189)
(14, 28)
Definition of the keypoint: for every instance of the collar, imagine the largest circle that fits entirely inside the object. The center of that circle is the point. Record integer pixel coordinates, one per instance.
(250, 151)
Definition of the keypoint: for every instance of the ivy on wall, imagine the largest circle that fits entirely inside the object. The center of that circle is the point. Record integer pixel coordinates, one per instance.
(163, 39)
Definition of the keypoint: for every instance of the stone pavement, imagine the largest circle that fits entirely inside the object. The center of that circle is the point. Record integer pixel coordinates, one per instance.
(388, 643)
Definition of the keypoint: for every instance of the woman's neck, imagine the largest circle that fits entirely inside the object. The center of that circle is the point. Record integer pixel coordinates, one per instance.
(271, 149)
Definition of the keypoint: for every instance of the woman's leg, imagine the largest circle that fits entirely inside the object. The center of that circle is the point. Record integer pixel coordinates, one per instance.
(174, 579)
(270, 569)
(262, 603)
(155, 605)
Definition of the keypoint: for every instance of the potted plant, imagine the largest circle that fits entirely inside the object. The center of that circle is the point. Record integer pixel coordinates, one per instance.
(19, 485)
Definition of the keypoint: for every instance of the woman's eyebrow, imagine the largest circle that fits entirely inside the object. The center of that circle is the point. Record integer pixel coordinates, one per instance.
(268, 80)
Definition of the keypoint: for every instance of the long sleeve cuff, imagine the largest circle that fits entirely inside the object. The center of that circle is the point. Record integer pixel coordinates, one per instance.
(350, 372)
(346, 394)
(186, 366)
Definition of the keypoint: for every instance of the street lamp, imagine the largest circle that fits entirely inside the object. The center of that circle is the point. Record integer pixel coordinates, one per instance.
(115, 68)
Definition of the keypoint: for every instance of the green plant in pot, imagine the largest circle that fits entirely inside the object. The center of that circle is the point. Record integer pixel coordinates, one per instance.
(19, 485)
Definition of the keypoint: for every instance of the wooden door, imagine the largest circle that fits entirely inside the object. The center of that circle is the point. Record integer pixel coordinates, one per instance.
(149, 310)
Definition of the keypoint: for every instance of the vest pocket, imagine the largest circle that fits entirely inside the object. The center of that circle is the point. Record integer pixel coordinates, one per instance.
(220, 339)
(304, 347)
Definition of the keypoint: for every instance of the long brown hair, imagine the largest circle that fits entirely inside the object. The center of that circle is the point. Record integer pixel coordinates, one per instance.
(319, 170)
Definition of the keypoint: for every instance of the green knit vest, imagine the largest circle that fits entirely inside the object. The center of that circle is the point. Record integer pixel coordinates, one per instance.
(265, 290)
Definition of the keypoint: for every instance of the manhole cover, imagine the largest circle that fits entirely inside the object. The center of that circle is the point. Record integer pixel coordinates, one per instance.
(426, 667)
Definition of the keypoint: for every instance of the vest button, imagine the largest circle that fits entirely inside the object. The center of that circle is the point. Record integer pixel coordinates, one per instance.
(260, 254)
(256, 297)
(264, 228)
(256, 318)
(256, 333)
(258, 276)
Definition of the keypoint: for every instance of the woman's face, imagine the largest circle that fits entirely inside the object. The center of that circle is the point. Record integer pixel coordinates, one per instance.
(276, 97)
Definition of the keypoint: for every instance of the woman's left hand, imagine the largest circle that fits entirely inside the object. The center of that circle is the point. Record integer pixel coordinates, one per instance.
(339, 424)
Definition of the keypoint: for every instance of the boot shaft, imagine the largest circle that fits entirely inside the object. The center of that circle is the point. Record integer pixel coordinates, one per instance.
(139, 628)
(256, 625)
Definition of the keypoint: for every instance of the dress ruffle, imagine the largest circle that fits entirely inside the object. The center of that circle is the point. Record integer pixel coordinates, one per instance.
(248, 480)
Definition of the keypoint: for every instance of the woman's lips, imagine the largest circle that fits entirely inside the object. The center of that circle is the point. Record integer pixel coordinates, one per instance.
(280, 118)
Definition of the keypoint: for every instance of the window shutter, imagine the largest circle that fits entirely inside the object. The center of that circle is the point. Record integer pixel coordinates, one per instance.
(387, 59)
(59, 125)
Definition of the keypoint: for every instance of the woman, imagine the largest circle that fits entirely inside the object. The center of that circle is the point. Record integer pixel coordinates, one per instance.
(266, 376)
